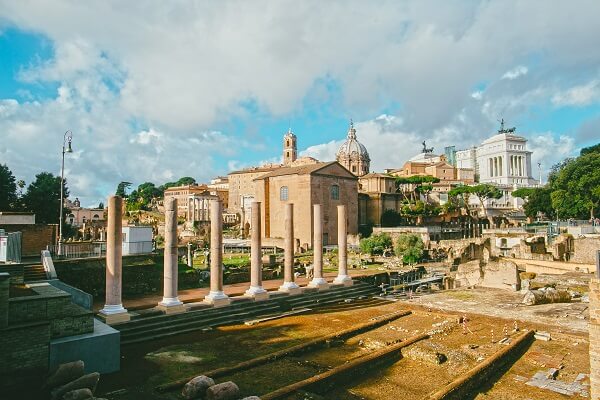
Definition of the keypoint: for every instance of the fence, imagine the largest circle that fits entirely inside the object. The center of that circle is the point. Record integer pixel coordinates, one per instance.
(79, 250)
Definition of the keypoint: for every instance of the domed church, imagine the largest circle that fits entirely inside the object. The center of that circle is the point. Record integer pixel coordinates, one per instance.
(353, 155)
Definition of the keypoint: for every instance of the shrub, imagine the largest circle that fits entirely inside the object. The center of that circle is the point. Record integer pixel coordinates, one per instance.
(376, 244)
(410, 248)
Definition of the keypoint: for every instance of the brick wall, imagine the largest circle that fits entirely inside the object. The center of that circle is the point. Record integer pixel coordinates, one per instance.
(24, 347)
(35, 237)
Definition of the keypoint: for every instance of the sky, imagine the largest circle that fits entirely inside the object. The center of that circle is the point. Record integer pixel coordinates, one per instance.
(155, 90)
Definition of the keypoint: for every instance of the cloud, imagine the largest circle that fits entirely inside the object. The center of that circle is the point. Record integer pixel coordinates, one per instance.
(549, 150)
(179, 88)
(515, 72)
(581, 95)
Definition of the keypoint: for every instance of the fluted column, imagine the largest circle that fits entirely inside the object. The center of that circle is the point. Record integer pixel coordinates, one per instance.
(113, 311)
(343, 278)
(170, 302)
(318, 280)
(216, 295)
(289, 284)
(256, 290)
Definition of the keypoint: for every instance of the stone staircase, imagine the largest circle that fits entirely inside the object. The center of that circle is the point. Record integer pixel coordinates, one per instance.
(33, 273)
(144, 328)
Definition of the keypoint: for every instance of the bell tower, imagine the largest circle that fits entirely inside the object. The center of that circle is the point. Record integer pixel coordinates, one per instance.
(290, 152)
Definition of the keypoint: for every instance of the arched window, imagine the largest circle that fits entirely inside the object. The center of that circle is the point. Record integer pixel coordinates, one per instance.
(335, 192)
(283, 193)
(71, 219)
(96, 217)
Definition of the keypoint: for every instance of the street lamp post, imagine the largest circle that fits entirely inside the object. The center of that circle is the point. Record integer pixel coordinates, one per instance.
(66, 148)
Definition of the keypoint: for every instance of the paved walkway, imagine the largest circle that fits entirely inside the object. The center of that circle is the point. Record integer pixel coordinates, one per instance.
(236, 289)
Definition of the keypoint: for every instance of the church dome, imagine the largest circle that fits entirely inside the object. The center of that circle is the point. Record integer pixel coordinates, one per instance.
(353, 155)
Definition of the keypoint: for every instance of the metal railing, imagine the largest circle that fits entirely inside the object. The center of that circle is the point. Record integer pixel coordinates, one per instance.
(78, 250)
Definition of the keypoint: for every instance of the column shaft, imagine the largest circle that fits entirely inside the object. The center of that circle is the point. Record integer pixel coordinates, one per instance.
(343, 277)
(289, 284)
(216, 295)
(318, 280)
(256, 290)
(170, 272)
(114, 262)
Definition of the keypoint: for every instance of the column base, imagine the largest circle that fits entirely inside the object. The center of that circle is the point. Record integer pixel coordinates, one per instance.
(114, 314)
(291, 288)
(319, 283)
(217, 299)
(345, 280)
(171, 305)
(257, 293)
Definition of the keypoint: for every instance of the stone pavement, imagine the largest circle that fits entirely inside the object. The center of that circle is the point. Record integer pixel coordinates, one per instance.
(236, 289)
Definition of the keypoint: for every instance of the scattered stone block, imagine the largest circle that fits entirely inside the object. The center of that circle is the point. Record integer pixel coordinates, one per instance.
(196, 387)
(541, 335)
(223, 391)
(78, 394)
(89, 381)
(65, 373)
(421, 353)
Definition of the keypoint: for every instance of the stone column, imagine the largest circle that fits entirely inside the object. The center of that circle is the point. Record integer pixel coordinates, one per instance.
(289, 284)
(190, 257)
(170, 302)
(318, 280)
(216, 296)
(256, 290)
(242, 220)
(343, 278)
(4, 287)
(113, 311)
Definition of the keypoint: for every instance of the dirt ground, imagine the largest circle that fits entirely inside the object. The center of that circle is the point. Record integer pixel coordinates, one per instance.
(147, 365)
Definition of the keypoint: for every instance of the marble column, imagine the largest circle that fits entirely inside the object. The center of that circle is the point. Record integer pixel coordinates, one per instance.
(289, 284)
(318, 280)
(170, 302)
(242, 221)
(343, 278)
(216, 296)
(190, 256)
(256, 290)
(113, 311)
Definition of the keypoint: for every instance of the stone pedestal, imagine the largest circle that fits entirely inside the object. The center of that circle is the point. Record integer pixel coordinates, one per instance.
(216, 297)
(289, 284)
(113, 311)
(170, 303)
(318, 280)
(256, 291)
(343, 278)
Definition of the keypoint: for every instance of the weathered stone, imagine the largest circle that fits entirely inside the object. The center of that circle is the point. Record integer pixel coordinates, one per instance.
(196, 388)
(78, 394)
(548, 295)
(89, 381)
(420, 353)
(223, 391)
(65, 373)
(251, 398)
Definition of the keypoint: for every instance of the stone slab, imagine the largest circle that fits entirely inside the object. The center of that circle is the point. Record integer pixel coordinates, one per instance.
(176, 309)
(112, 319)
(99, 350)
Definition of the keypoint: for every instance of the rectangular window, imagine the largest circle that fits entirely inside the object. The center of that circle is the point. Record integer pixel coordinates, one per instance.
(335, 192)
(283, 193)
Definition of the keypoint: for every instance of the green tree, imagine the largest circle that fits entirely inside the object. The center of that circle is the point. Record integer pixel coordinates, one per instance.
(8, 189)
(143, 197)
(536, 200)
(101, 205)
(376, 244)
(390, 218)
(121, 189)
(410, 248)
(590, 150)
(576, 187)
(459, 197)
(484, 192)
(186, 180)
(43, 198)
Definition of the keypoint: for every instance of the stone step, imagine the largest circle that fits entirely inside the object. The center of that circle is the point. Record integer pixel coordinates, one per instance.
(160, 326)
(33, 273)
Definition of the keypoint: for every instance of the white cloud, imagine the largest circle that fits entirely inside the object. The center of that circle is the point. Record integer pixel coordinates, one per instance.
(578, 95)
(549, 150)
(515, 72)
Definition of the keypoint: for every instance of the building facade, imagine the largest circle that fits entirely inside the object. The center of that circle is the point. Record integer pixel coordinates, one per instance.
(328, 184)
(79, 216)
(183, 194)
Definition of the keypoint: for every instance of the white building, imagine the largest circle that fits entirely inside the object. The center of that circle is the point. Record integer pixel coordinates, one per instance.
(504, 161)
(137, 239)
